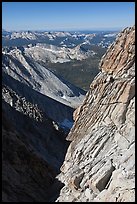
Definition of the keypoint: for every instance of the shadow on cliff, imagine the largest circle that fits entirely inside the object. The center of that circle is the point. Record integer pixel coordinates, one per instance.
(54, 190)
(43, 142)
(35, 151)
(41, 135)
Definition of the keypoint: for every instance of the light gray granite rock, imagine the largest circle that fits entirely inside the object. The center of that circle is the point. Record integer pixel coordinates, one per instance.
(103, 135)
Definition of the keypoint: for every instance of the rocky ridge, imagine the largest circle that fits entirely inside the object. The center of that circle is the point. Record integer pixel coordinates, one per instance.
(100, 162)
(21, 104)
(54, 54)
(26, 68)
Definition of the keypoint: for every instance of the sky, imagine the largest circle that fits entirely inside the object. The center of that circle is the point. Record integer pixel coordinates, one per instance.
(67, 15)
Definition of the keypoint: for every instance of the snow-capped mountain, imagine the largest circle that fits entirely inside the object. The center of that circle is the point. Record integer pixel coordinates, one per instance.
(59, 38)
(24, 35)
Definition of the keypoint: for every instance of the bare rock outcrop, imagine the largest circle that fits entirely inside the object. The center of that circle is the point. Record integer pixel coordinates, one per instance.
(100, 162)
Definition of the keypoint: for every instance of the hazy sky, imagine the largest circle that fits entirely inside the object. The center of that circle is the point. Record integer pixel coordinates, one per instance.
(67, 15)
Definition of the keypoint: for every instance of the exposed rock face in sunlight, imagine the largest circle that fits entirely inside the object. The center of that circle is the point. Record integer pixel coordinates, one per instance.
(100, 162)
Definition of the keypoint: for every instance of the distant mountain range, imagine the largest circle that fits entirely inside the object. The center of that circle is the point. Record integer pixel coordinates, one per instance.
(63, 39)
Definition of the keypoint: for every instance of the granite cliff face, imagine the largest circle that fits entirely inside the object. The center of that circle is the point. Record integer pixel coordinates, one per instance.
(100, 162)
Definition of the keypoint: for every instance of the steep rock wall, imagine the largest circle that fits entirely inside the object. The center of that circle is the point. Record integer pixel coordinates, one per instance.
(100, 165)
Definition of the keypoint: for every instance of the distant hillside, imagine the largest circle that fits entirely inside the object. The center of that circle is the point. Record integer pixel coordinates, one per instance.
(80, 73)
